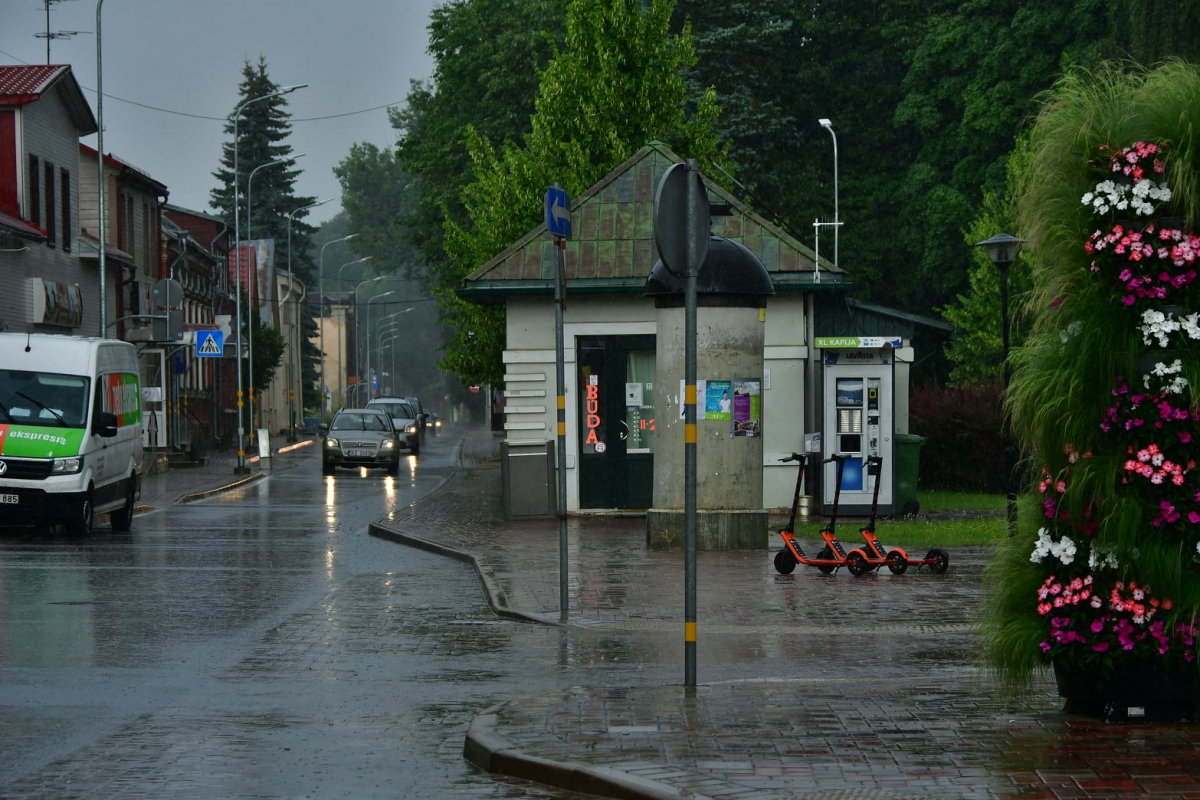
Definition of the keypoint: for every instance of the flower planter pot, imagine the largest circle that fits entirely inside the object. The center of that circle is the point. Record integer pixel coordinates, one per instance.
(1139, 691)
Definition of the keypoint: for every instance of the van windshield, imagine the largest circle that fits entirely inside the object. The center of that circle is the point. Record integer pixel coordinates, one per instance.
(45, 399)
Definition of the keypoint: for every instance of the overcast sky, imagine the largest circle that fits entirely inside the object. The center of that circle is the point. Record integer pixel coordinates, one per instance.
(184, 59)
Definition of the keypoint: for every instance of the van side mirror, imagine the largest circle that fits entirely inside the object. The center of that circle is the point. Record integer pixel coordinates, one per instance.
(106, 424)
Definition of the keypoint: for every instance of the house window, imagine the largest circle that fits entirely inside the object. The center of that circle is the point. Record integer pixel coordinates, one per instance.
(51, 233)
(68, 234)
(35, 191)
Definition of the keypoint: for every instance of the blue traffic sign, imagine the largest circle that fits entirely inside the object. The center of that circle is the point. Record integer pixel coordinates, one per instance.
(558, 212)
(210, 344)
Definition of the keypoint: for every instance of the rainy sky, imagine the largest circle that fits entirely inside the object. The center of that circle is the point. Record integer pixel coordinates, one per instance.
(172, 68)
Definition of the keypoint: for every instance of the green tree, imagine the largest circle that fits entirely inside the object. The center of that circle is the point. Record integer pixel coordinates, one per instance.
(970, 86)
(977, 350)
(262, 131)
(488, 57)
(617, 84)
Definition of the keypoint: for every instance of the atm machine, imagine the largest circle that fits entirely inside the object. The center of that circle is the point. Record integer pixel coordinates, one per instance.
(858, 420)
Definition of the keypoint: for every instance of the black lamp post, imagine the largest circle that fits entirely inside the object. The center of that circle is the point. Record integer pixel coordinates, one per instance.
(1002, 250)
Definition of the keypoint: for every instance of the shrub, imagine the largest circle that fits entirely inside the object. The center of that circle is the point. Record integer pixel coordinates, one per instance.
(962, 426)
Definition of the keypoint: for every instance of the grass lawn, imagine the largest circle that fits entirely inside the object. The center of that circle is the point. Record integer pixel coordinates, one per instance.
(956, 520)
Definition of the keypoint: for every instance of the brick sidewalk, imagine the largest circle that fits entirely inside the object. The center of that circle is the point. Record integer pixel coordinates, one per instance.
(860, 687)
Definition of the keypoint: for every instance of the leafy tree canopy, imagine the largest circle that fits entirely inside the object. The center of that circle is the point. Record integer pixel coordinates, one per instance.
(616, 85)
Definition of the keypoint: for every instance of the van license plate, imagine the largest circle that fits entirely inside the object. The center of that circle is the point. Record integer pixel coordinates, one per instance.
(10, 498)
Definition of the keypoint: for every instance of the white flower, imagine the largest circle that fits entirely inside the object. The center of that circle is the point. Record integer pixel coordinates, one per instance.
(1100, 557)
(1158, 325)
(1063, 550)
(1161, 370)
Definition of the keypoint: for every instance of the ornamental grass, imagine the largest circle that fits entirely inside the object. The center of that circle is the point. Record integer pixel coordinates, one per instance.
(1104, 569)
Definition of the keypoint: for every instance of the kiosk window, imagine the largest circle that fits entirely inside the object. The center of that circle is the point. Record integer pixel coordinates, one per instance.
(850, 392)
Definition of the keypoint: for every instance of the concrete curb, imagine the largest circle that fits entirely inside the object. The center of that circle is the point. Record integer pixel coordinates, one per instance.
(492, 590)
(491, 752)
(194, 496)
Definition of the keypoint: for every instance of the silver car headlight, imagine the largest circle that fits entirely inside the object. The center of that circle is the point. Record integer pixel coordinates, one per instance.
(389, 444)
(410, 429)
(331, 442)
(66, 466)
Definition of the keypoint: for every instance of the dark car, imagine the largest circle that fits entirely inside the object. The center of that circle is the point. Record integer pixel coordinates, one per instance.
(360, 437)
(404, 418)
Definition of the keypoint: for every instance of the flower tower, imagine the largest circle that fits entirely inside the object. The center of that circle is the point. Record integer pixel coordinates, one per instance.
(1102, 581)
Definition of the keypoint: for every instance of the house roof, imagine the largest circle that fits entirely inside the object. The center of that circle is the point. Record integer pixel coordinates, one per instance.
(127, 170)
(22, 84)
(612, 247)
(26, 230)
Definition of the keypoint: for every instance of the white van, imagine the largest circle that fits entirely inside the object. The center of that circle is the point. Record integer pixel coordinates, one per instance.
(70, 431)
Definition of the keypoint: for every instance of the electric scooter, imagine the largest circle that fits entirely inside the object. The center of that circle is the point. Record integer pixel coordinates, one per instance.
(833, 554)
(874, 555)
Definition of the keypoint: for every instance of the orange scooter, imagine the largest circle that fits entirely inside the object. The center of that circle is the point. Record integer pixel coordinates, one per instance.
(833, 554)
(874, 555)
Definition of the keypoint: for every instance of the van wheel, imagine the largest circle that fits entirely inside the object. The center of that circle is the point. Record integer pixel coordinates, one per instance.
(82, 524)
(122, 518)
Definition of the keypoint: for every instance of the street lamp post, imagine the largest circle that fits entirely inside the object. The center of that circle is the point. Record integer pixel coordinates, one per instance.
(354, 342)
(388, 293)
(1002, 249)
(293, 360)
(343, 374)
(390, 324)
(828, 125)
(237, 248)
(321, 311)
(250, 238)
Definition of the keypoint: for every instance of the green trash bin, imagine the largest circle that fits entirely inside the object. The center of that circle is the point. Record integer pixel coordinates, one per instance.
(908, 461)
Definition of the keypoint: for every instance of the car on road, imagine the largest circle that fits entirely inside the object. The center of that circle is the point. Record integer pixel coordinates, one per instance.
(404, 418)
(360, 437)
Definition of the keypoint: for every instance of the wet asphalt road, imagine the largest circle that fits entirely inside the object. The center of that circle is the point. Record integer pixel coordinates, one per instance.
(261, 644)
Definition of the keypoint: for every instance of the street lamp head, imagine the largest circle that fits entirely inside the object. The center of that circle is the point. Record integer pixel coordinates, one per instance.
(292, 88)
(824, 123)
(1002, 248)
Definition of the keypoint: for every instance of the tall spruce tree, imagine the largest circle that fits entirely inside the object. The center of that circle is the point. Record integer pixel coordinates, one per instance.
(262, 129)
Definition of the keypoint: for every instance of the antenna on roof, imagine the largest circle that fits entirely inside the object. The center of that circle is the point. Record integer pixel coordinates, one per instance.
(49, 34)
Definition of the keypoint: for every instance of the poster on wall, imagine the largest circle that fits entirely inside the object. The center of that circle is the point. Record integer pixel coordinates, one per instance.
(56, 303)
(718, 400)
(747, 407)
(701, 398)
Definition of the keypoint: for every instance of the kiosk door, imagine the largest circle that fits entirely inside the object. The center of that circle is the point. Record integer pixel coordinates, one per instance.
(858, 423)
(616, 413)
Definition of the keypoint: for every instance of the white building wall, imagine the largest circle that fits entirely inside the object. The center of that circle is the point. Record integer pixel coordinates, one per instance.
(530, 388)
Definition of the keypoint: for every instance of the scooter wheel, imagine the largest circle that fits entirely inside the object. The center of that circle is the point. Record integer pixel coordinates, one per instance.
(825, 555)
(939, 560)
(897, 563)
(857, 564)
(785, 562)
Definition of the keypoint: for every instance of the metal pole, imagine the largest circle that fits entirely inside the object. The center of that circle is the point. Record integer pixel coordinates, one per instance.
(249, 237)
(293, 361)
(321, 311)
(560, 369)
(99, 167)
(689, 436)
(237, 250)
(1010, 450)
(369, 301)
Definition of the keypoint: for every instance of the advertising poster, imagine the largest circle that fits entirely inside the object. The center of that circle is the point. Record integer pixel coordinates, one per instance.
(747, 407)
(718, 401)
(701, 398)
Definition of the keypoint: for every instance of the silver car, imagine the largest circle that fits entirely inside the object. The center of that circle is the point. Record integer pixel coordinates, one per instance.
(360, 437)
(404, 418)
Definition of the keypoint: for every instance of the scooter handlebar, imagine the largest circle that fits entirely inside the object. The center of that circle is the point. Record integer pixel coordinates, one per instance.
(838, 457)
(793, 457)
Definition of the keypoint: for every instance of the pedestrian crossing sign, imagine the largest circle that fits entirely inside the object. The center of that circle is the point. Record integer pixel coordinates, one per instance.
(210, 344)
